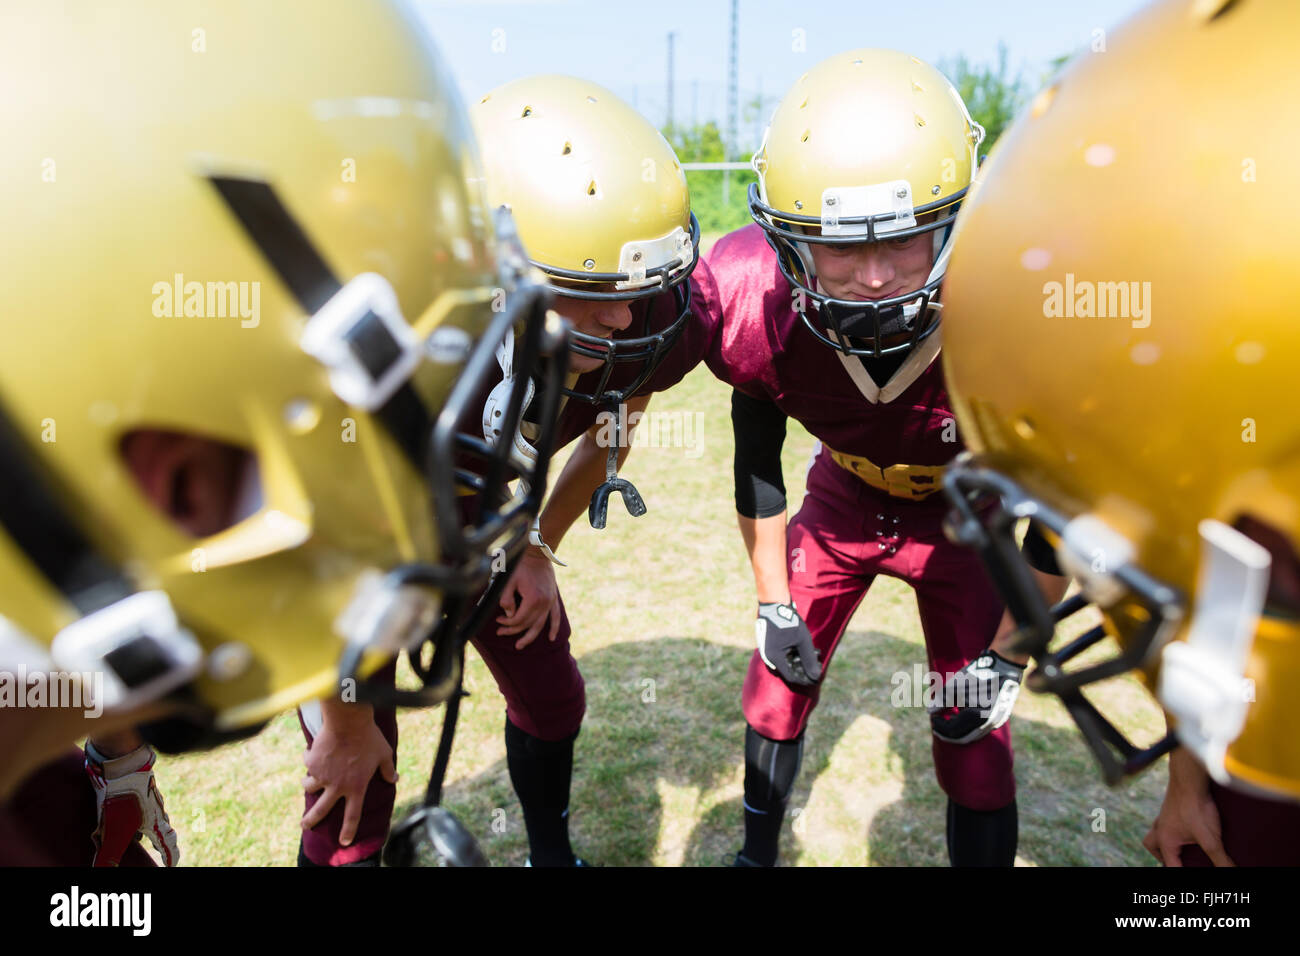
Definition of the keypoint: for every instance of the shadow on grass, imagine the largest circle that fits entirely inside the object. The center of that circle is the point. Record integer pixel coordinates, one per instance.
(664, 726)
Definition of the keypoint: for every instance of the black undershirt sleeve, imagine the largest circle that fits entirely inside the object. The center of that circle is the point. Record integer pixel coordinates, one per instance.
(1038, 553)
(759, 428)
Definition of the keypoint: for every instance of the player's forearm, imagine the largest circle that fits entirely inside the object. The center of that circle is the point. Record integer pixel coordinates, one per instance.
(765, 543)
(342, 717)
(1186, 773)
(116, 744)
(582, 474)
(1052, 586)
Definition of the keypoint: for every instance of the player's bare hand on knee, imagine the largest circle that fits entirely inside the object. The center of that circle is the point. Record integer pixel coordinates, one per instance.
(785, 644)
(531, 600)
(340, 765)
(1188, 815)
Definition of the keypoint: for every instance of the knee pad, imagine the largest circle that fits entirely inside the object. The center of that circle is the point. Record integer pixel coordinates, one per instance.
(771, 767)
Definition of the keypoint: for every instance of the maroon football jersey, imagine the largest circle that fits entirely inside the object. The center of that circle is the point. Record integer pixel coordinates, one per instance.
(764, 349)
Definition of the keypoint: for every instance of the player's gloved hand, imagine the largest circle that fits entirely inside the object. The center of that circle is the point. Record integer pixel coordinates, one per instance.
(785, 644)
(127, 803)
(980, 698)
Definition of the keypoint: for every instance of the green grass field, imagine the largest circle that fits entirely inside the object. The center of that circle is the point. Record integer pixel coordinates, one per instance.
(662, 609)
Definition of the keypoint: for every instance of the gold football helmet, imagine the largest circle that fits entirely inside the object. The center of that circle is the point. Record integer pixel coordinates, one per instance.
(868, 146)
(601, 205)
(258, 225)
(1121, 351)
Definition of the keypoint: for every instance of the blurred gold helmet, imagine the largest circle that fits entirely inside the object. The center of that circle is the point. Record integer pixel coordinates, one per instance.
(868, 146)
(599, 200)
(1121, 351)
(255, 225)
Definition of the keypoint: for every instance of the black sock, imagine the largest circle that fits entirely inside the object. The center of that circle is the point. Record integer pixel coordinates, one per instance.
(982, 837)
(770, 770)
(540, 771)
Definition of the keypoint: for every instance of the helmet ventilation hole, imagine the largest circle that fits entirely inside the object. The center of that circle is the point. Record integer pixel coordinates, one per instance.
(528, 111)
(804, 137)
(486, 98)
(804, 104)
(591, 99)
(568, 148)
(591, 188)
(920, 120)
(1207, 11)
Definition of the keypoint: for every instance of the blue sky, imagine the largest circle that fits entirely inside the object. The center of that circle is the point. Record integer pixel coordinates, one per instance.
(622, 44)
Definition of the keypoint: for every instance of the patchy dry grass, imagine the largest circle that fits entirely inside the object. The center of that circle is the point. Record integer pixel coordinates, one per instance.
(662, 611)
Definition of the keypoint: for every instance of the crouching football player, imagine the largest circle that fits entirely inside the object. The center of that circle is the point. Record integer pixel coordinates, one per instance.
(830, 314)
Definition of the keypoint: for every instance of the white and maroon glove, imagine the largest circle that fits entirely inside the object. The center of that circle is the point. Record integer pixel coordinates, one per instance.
(127, 803)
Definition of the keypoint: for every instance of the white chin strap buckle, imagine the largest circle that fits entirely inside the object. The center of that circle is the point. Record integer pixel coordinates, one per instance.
(137, 644)
(361, 337)
(1202, 680)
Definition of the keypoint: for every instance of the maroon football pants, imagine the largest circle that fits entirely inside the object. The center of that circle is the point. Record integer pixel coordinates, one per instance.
(1256, 831)
(844, 535)
(544, 697)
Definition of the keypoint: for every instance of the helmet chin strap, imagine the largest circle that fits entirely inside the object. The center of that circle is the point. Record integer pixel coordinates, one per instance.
(942, 253)
(523, 452)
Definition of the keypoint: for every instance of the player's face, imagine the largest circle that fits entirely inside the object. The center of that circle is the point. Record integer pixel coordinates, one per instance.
(874, 270)
(193, 480)
(600, 319)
